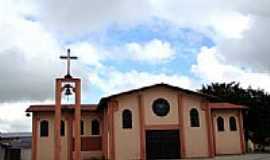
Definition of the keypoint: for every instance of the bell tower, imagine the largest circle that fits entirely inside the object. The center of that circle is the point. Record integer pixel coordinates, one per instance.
(68, 85)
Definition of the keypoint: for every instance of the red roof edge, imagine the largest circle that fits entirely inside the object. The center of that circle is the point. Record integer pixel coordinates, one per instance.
(50, 107)
(226, 106)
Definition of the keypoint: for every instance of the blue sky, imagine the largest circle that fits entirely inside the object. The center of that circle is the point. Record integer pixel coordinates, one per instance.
(179, 39)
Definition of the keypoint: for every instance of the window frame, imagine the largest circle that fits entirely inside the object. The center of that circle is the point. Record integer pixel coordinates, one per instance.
(44, 132)
(81, 127)
(232, 124)
(220, 124)
(194, 116)
(62, 128)
(155, 107)
(127, 119)
(96, 133)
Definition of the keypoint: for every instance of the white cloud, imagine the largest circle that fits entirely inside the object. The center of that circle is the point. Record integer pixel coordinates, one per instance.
(28, 54)
(30, 60)
(211, 67)
(153, 51)
(31, 54)
(88, 53)
(213, 17)
(29, 46)
(77, 17)
(230, 25)
(239, 28)
(13, 117)
(112, 81)
(82, 16)
(18, 123)
(252, 50)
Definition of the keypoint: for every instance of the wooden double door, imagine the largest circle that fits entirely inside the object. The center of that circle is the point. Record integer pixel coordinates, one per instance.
(162, 144)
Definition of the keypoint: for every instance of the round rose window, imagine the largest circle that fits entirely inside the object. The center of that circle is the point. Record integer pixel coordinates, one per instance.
(161, 107)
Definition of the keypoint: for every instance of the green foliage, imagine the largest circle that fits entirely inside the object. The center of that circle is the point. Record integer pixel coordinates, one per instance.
(257, 121)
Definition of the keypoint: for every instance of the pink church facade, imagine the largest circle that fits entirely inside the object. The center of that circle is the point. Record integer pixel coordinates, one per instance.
(154, 122)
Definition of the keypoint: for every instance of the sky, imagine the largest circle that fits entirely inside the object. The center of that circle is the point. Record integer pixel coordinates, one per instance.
(126, 44)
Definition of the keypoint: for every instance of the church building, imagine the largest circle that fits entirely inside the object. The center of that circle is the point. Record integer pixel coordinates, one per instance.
(154, 122)
(160, 121)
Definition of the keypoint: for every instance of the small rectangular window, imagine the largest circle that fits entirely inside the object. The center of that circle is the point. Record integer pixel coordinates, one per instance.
(95, 127)
(233, 124)
(44, 128)
(82, 128)
(127, 119)
(62, 128)
(220, 124)
(194, 118)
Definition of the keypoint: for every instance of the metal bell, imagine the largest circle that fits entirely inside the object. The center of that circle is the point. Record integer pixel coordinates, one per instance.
(28, 114)
(68, 92)
(68, 88)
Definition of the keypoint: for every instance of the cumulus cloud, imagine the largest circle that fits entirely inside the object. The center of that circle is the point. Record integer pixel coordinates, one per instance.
(27, 53)
(13, 117)
(211, 67)
(16, 120)
(88, 53)
(82, 16)
(232, 24)
(77, 17)
(31, 40)
(30, 59)
(153, 51)
(31, 55)
(208, 16)
(252, 50)
(113, 81)
(239, 28)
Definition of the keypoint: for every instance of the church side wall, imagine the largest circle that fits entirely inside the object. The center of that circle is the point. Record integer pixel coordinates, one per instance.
(227, 142)
(196, 138)
(127, 141)
(45, 145)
